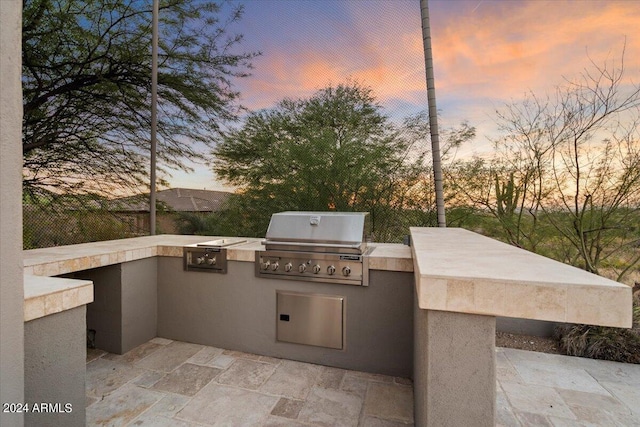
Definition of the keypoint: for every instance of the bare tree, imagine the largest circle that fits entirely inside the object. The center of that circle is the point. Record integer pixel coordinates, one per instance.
(575, 156)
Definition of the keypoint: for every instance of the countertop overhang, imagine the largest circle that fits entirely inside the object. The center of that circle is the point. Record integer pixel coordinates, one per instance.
(461, 271)
(49, 295)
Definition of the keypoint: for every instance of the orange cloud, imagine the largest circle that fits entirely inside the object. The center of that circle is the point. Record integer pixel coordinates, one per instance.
(482, 55)
(503, 51)
(385, 54)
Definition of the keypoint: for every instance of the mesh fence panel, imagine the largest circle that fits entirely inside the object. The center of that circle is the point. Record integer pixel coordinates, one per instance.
(46, 226)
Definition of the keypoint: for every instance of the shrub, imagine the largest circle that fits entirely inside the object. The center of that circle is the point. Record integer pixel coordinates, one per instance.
(599, 342)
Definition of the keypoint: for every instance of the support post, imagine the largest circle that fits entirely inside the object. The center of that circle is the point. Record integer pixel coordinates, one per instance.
(454, 369)
(154, 116)
(433, 113)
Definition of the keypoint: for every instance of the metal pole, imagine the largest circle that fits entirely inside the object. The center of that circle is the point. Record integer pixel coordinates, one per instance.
(154, 116)
(433, 112)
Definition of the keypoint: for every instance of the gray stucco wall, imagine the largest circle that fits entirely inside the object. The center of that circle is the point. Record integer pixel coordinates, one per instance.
(11, 283)
(537, 328)
(125, 304)
(104, 313)
(139, 302)
(237, 311)
(55, 367)
(454, 369)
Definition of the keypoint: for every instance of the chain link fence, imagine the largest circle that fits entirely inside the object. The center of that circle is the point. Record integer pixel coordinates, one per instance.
(51, 225)
(57, 221)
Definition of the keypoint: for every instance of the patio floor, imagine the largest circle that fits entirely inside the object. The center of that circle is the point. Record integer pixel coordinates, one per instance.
(170, 383)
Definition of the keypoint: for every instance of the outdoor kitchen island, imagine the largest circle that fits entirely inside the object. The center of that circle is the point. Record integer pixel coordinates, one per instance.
(462, 281)
(141, 290)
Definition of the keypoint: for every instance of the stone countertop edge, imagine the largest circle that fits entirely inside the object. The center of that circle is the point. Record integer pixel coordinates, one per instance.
(49, 295)
(68, 259)
(44, 294)
(461, 271)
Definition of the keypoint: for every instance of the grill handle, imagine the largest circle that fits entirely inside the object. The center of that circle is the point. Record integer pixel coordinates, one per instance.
(313, 245)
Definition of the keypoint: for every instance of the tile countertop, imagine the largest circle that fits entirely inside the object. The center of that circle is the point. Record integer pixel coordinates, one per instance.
(461, 271)
(67, 259)
(46, 295)
(50, 295)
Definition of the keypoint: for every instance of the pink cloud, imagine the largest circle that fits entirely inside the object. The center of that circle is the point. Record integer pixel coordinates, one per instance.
(506, 51)
(380, 49)
(484, 54)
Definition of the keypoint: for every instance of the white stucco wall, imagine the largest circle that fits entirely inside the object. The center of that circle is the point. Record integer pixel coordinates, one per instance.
(11, 282)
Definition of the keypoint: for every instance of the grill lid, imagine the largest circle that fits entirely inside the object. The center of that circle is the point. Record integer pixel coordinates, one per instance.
(308, 229)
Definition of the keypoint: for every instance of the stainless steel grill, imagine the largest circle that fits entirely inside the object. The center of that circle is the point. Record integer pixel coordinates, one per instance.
(315, 246)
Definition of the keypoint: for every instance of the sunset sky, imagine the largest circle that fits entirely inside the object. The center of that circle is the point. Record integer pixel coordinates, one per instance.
(486, 53)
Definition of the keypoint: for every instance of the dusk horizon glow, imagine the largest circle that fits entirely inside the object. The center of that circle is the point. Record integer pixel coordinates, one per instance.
(486, 54)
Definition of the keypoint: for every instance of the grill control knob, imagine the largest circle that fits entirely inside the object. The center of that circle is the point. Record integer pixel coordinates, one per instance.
(200, 260)
(211, 261)
(302, 268)
(331, 270)
(265, 265)
(274, 266)
(316, 269)
(346, 271)
(288, 266)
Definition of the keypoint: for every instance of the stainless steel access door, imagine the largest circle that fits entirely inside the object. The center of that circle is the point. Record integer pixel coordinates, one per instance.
(311, 319)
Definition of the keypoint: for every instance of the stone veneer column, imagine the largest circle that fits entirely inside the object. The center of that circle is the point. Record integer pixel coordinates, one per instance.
(454, 369)
(11, 282)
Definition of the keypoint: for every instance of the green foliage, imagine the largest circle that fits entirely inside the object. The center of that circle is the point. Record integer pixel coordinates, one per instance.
(333, 151)
(507, 196)
(87, 81)
(191, 223)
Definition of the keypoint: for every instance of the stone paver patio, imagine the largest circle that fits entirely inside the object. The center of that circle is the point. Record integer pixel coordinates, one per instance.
(170, 383)
(539, 389)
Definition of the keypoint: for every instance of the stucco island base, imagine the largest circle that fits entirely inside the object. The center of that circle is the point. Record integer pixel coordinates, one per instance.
(454, 368)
